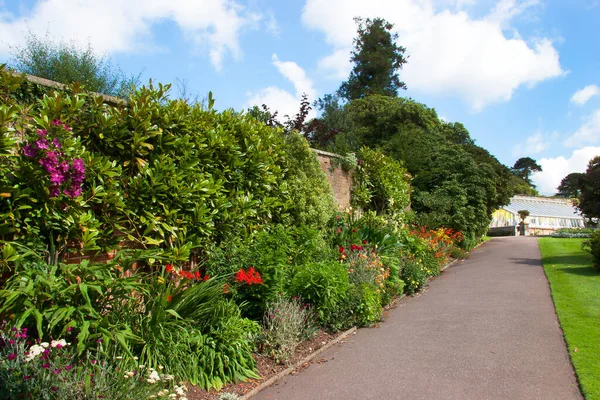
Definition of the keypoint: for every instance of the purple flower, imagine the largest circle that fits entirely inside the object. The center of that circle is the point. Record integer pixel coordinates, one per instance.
(57, 178)
(57, 370)
(12, 356)
(45, 365)
(73, 191)
(12, 341)
(29, 150)
(57, 122)
(25, 330)
(54, 191)
(42, 132)
(68, 367)
(56, 143)
(23, 335)
(78, 166)
(67, 127)
(42, 144)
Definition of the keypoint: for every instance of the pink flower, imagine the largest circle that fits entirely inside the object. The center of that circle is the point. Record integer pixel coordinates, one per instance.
(12, 356)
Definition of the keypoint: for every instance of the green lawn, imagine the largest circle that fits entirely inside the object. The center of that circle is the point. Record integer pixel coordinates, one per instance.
(575, 286)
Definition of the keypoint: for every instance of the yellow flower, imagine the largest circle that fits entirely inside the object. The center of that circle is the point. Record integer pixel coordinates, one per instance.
(161, 279)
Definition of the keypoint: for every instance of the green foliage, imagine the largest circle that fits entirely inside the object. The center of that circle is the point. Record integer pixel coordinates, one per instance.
(306, 192)
(323, 285)
(524, 167)
(414, 273)
(570, 185)
(592, 246)
(589, 200)
(380, 184)
(286, 323)
(61, 374)
(573, 233)
(377, 59)
(58, 298)
(69, 63)
(365, 302)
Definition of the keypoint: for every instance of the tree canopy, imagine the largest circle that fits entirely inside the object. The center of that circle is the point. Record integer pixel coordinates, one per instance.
(377, 59)
(70, 63)
(570, 185)
(524, 167)
(589, 200)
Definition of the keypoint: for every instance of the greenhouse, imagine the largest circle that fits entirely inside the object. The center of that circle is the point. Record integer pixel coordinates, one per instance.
(546, 215)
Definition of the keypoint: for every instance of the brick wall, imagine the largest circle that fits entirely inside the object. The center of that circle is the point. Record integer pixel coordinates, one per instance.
(340, 180)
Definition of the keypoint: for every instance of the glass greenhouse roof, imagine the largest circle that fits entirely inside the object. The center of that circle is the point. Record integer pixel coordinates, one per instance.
(543, 207)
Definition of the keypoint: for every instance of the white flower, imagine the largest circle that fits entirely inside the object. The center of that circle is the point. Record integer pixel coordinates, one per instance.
(130, 374)
(34, 351)
(179, 390)
(172, 396)
(152, 396)
(151, 381)
(126, 376)
(160, 367)
(56, 343)
(154, 376)
(45, 344)
(163, 392)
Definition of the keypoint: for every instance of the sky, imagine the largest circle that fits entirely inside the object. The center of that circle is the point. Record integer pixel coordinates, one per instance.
(521, 75)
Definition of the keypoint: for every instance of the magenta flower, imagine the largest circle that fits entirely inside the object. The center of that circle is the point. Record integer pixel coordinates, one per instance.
(57, 122)
(42, 132)
(42, 144)
(29, 151)
(12, 356)
(56, 143)
(54, 191)
(45, 365)
(68, 367)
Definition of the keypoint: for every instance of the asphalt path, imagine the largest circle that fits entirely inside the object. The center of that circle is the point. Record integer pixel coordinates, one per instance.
(485, 329)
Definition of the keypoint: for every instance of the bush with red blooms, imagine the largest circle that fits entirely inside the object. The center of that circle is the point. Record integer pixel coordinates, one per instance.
(249, 277)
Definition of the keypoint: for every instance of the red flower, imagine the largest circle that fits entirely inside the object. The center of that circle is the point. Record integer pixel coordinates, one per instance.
(226, 288)
(206, 277)
(197, 274)
(169, 298)
(341, 249)
(249, 277)
(169, 268)
(365, 241)
(354, 230)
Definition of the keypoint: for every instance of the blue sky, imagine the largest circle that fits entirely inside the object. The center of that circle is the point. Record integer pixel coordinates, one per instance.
(521, 75)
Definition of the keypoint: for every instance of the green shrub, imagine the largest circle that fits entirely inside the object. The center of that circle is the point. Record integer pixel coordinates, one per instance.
(287, 321)
(592, 246)
(53, 370)
(305, 190)
(380, 184)
(323, 285)
(366, 299)
(414, 273)
(459, 254)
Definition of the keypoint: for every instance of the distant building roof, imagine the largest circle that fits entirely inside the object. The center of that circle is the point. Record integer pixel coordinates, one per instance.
(543, 207)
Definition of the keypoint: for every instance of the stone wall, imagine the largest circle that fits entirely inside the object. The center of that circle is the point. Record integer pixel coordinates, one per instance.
(340, 180)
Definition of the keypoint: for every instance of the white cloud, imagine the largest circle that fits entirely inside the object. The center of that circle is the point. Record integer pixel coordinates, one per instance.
(583, 95)
(554, 169)
(534, 144)
(280, 100)
(213, 26)
(588, 133)
(450, 52)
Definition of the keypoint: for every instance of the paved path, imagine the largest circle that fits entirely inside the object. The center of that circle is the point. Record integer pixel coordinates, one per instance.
(485, 329)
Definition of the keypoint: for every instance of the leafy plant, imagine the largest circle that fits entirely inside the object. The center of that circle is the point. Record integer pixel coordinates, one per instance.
(592, 246)
(287, 321)
(323, 285)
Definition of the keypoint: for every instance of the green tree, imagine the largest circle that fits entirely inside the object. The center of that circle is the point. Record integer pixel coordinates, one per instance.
(589, 200)
(570, 185)
(70, 63)
(377, 59)
(524, 167)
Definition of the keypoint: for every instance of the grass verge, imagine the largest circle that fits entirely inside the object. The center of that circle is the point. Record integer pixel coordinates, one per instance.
(575, 287)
